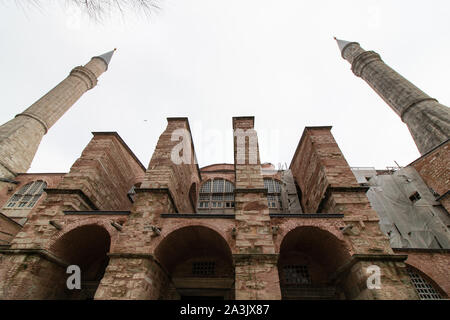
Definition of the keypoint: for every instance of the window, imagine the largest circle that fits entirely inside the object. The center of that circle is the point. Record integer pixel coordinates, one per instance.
(273, 193)
(27, 196)
(415, 197)
(216, 194)
(296, 275)
(423, 288)
(204, 268)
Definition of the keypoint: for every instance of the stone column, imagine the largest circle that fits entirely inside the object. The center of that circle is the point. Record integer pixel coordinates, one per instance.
(255, 260)
(329, 186)
(21, 136)
(427, 119)
(134, 272)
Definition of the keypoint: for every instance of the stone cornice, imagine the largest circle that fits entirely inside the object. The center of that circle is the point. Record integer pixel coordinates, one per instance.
(414, 103)
(362, 60)
(40, 252)
(250, 190)
(245, 257)
(35, 117)
(78, 192)
(86, 75)
(366, 257)
(96, 212)
(330, 189)
(306, 215)
(199, 215)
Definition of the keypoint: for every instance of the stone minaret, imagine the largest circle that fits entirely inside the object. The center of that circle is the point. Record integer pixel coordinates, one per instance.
(428, 121)
(21, 136)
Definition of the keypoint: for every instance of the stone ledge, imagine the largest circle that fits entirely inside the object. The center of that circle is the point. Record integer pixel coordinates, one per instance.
(96, 212)
(421, 250)
(40, 252)
(366, 257)
(243, 257)
(199, 215)
(78, 192)
(330, 189)
(306, 215)
(9, 181)
(251, 190)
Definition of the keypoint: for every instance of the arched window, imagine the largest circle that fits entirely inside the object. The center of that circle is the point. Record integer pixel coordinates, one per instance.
(27, 196)
(216, 194)
(424, 289)
(273, 193)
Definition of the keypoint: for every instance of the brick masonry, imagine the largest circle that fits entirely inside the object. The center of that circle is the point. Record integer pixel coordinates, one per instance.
(433, 167)
(145, 245)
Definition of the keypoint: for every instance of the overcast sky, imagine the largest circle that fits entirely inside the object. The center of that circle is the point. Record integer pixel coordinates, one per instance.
(210, 60)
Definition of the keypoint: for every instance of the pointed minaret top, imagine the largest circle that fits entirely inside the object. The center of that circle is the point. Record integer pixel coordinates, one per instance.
(107, 57)
(342, 44)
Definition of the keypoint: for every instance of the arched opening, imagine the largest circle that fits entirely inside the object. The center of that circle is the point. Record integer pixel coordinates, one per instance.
(87, 247)
(199, 263)
(425, 287)
(308, 257)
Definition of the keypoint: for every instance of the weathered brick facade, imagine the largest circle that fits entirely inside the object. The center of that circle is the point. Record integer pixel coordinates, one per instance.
(226, 231)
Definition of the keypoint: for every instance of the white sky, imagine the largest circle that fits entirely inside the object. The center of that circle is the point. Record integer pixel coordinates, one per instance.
(210, 60)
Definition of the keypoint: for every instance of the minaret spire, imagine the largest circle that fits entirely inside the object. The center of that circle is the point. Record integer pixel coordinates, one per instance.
(21, 136)
(106, 57)
(428, 121)
(342, 43)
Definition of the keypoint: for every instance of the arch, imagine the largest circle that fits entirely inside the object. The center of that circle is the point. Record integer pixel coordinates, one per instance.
(86, 246)
(199, 262)
(105, 224)
(425, 286)
(309, 255)
(332, 227)
(27, 196)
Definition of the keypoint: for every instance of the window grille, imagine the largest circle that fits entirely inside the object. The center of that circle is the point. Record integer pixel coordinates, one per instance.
(204, 268)
(296, 275)
(216, 194)
(27, 196)
(273, 193)
(423, 288)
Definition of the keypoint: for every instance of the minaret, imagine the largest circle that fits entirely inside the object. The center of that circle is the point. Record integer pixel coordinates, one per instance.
(428, 121)
(21, 136)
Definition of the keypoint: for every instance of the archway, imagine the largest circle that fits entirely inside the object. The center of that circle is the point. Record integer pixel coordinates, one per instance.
(87, 247)
(199, 262)
(308, 257)
(426, 288)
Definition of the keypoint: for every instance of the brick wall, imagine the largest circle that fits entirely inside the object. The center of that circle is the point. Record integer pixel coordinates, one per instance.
(434, 264)
(433, 167)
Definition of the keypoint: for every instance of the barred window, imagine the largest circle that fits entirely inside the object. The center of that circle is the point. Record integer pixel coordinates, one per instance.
(27, 196)
(296, 275)
(204, 268)
(423, 288)
(216, 194)
(273, 193)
